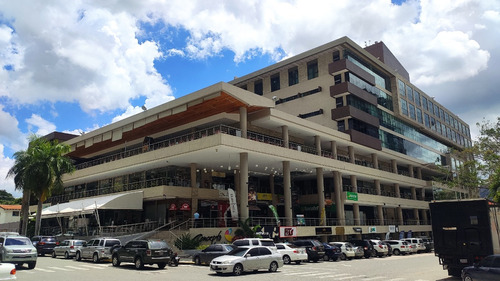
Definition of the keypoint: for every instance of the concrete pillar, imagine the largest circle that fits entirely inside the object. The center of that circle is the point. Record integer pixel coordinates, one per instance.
(413, 193)
(400, 215)
(317, 142)
(243, 195)
(334, 149)
(337, 186)
(321, 195)
(422, 194)
(416, 216)
(287, 186)
(375, 160)
(354, 183)
(273, 192)
(243, 122)
(394, 166)
(355, 208)
(377, 187)
(237, 186)
(380, 214)
(397, 191)
(410, 169)
(423, 215)
(194, 189)
(285, 136)
(419, 173)
(352, 158)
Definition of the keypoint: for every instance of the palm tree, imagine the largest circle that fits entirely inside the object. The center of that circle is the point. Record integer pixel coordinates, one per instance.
(18, 172)
(39, 170)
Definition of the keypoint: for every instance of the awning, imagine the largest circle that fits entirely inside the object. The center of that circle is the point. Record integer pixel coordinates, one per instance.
(122, 201)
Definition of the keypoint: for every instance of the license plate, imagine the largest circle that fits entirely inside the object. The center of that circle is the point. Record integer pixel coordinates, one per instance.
(463, 260)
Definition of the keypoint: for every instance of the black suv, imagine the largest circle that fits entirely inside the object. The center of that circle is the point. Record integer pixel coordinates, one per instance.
(44, 244)
(332, 252)
(141, 252)
(315, 250)
(366, 246)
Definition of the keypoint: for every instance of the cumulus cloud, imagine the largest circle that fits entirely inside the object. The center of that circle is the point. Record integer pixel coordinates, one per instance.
(7, 184)
(39, 126)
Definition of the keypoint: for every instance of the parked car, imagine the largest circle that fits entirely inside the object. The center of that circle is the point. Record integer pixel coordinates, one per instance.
(381, 249)
(97, 249)
(368, 250)
(17, 249)
(208, 254)
(291, 253)
(141, 252)
(7, 271)
(347, 250)
(314, 249)
(429, 244)
(266, 242)
(332, 252)
(67, 248)
(399, 247)
(487, 269)
(416, 243)
(247, 259)
(44, 244)
(389, 248)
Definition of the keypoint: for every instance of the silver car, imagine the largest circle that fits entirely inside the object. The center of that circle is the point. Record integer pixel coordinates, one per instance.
(17, 249)
(97, 249)
(247, 259)
(67, 248)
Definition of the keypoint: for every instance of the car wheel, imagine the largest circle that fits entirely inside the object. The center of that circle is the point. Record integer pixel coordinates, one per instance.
(238, 269)
(315, 260)
(138, 263)
(115, 261)
(95, 258)
(66, 255)
(78, 256)
(197, 261)
(53, 254)
(286, 259)
(467, 277)
(32, 264)
(298, 262)
(326, 258)
(396, 252)
(273, 267)
(161, 265)
(343, 257)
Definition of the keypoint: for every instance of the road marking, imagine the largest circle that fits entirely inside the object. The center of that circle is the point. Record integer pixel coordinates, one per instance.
(336, 275)
(74, 267)
(300, 272)
(396, 279)
(351, 277)
(374, 278)
(44, 270)
(60, 268)
(93, 266)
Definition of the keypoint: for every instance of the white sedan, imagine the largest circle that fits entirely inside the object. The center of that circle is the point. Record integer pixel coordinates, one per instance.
(7, 271)
(291, 253)
(247, 259)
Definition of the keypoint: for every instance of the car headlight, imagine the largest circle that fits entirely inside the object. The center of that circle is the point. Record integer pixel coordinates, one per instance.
(226, 262)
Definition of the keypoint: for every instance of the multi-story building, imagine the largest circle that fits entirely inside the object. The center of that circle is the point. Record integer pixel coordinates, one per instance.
(337, 139)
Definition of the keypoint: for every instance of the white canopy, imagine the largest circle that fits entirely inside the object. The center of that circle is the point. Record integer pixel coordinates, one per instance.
(122, 201)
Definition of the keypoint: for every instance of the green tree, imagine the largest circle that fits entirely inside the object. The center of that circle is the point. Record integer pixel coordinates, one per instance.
(487, 154)
(38, 171)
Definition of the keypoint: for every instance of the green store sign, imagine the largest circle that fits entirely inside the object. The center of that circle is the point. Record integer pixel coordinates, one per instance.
(353, 196)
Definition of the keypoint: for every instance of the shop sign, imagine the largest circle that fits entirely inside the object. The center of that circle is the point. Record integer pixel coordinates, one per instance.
(288, 231)
(265, 196)
(352, 196)
(185, 207)
(172, 207)
(372, 229)
(323, 230)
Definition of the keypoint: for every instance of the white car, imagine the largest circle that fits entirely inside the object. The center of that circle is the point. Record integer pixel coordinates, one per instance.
(348, 250)
(247, 259)
(291, 253)
(380, 248)
(399, 247)
(416, 243)
(7, 271)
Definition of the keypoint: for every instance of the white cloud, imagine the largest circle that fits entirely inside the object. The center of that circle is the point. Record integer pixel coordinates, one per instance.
(39, 126)
(7, 183)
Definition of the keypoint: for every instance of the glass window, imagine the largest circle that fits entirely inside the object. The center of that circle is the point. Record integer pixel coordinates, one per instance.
(447, 118)
(431, 105)
(312, 69)
(417, 98)
(436, 110)
(419, 116)
(336, 56)
(409, 93)
(424, 103)
(412, 111)
(275, 82)
(433, 123)
(401, 88)
(258, 87)
(438, 127)
(341, 125)
(427, 120)
(404, 107)
(293, 76)
(337, 79)
(339, 102)
(441, 114)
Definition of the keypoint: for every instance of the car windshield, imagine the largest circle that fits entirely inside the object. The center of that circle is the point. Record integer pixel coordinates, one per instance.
(79, 243)
(238, 252)
(110, 243)
(158, 245)
(49, 239)
(267, 243)
(18, 241)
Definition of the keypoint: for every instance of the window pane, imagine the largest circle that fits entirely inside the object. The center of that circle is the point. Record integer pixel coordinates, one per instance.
(312, 69)
(275, 82)
(293, 76)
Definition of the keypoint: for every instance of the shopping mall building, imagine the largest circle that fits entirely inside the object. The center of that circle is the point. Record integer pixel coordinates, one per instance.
(336, 140)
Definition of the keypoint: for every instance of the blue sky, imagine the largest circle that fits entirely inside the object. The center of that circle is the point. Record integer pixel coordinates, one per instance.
(75, 66)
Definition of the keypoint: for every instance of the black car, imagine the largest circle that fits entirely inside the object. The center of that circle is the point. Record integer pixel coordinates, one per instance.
(332, 252)
(487, 269)
(314, 249)
(141, 252)
(44, 244)
(367, 247)
(211, 252)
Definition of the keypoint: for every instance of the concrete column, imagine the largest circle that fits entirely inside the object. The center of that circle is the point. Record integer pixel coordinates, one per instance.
(355, 208)
(354, 183)
(337, 186)
(413, 193)
(410, 169)
(321, 195)
(415, 214)
(380, 214)
(397, 191)
(287, 186)
(422, 194)
(419, 173)
(377, 187)
(243, 122)
(317, 141)
(394, 166)
(237, 186)
(194, 189)
(285, 136)
(351, 154)
(375, 160)
(334, 149)
(400, 215)
(243, 195)
(273, 192)
(423, 213)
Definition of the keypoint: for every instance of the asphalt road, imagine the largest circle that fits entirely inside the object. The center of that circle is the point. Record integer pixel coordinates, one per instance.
(417, 267)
